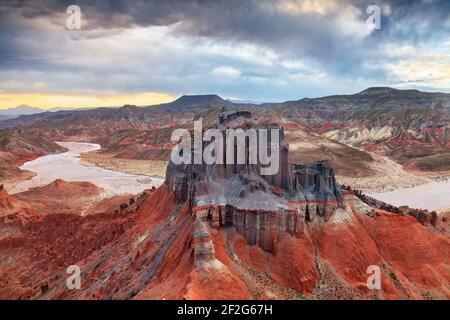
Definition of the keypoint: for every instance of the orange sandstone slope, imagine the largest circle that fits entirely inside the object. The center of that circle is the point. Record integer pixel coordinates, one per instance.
(61, 197)
(146, 253)
(13, 209)
(167, 250)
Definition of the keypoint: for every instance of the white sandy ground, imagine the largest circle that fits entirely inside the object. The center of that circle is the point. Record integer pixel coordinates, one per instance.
(432, 196)
(393, 185)
(67, 166)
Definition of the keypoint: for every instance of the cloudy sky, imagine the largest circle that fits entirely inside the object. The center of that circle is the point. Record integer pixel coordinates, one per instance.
(145, 52)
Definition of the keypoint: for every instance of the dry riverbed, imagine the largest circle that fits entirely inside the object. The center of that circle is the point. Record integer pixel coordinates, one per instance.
(149, 168)
(389, 176)
(67, 166)
(394, 185)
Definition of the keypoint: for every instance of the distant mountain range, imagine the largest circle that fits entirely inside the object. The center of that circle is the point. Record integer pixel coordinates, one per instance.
(409, 126)
(23, 109)
(375, 98)
(26, 110)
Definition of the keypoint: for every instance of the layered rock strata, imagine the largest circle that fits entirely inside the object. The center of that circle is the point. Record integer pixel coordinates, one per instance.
(261, 208)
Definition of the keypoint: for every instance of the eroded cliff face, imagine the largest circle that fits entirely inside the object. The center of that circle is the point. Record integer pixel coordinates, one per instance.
(258, 210)
(260, 207)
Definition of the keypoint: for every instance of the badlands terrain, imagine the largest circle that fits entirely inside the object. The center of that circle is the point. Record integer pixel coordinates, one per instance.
(363, 182)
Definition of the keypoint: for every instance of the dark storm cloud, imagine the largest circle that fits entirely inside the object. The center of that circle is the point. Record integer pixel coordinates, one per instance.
(249, 20)
(258, 21)
(334, 38)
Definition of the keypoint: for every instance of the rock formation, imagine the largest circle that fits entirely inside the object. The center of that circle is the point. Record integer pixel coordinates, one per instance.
(260, 207)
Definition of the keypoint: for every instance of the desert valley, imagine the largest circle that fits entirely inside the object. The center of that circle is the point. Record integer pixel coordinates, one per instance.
(362, 181)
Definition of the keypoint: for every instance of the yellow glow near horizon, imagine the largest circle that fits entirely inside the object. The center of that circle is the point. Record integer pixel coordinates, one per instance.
(429, 70)
(48, 101)
(307, 6)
